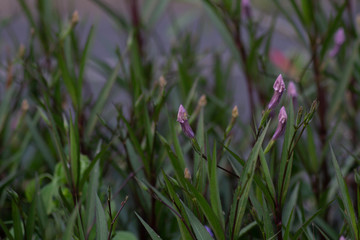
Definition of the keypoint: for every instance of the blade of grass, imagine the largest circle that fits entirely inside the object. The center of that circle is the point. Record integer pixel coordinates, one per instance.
(241, 195)
(101, 224)
(345, 196)
(199, 229)
(18, 230)
(68, 235)
(152, 233)
(214, 187)
(100, 102)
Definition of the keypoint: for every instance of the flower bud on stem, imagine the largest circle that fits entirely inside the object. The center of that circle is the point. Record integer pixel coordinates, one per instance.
(234, 115)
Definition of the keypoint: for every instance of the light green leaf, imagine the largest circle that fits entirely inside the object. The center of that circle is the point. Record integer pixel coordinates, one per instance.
(101, 224)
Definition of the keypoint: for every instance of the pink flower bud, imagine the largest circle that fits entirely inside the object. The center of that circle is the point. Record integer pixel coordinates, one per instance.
(292, 90)
(182, 118)
(339, 38)
(342, 238)
(279, 88)
(281, 124)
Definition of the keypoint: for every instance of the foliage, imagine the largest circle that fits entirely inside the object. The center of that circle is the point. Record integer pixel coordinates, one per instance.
(83, 161)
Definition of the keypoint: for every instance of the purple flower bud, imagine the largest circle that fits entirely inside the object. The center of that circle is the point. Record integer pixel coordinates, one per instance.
(339, 38)
(281, 124)
(246, 8)
(292, 90)
(279, 88)
(182, 118)
(334, 51)
(342, 238)
(209, 231)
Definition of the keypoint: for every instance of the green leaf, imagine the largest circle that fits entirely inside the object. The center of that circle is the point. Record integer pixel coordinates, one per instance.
(286, 161)
(346, 76)
(287, 15)
(30, 221)
(39, 141)
(100, 101)
(177, 165)
(92, 195)
(308, 14)
(74, 151)
(111, 12)
(84, 58)
(308, 221)
(101, 224)
(18, 229)
(206, 210)
(124, 235)
(152, 233)
(313, 161)
(68, 235)
(267, 175)
(6, 230)
(290, 204)
(345, 196)
(200, 231)
(241, 195)
(177, 203)
(223, 30)
(288, 225)
(234, 155)
(153, 10)
(214, 187)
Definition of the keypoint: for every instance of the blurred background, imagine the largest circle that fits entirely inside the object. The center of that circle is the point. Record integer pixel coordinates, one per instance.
(100, 81)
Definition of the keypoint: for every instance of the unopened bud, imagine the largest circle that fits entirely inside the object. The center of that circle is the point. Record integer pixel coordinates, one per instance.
(357, 176)
(235, 112)
(21, 52)
(279, 88)
(299, 116)
(246, 8)
(187, 174)
(313, 109)
(25, 105)
(339, 39)
(75, 18)
(162, 82)
(209, 231)
(182, 118)
(202, 101)
(234, 115)
(281, 124)
(292, 90)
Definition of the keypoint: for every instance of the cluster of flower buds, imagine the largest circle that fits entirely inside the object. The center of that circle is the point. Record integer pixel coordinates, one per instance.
(339, 39)
(279, 88)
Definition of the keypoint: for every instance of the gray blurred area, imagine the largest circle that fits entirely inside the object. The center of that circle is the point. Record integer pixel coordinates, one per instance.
(185, 15)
